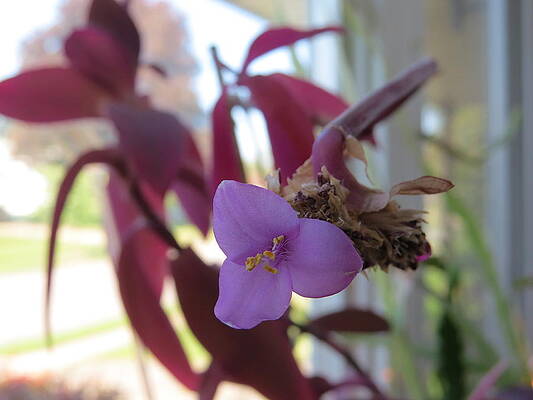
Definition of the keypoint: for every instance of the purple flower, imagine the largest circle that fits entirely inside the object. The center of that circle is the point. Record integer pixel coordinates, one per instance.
(271, 253)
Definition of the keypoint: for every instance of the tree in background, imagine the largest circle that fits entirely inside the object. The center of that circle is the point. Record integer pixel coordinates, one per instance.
(164, 46)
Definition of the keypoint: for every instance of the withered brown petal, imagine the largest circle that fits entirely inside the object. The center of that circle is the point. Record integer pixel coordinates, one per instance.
(422, 185)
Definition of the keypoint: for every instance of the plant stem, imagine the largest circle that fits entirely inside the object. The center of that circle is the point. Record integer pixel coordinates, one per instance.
(157, 224)
(344, 353)
(218, 67)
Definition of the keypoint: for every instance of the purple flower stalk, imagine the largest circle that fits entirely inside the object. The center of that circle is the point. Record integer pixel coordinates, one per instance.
(271, 253)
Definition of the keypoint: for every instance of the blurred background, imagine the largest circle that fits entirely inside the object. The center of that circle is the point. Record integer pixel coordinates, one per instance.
(470, 125)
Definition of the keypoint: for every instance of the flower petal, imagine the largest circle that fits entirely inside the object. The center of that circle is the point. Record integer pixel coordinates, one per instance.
(279, 37)
(322, 259)
(248, 298)
(49, 95)
(113, 17)
(99, 56)
(246, 218)
(260, 357)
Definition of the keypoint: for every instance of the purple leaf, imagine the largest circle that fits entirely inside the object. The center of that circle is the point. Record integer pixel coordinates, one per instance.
(260, 357)
(152, 142)
(114, 18)
(49, 95)
(361, 118)
(226, 158)
(145, 313)
(191, 187)
(320, 105)
(107, 156)
(279, 37)
(99, 56)
(290, 131)
(351, 320)
(126, 216)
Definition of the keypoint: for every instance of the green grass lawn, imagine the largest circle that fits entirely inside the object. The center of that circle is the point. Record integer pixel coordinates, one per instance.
(24, 254)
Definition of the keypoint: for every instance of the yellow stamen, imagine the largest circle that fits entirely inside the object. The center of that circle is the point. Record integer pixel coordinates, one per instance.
(252, 262)
(269, 254)
(278, 240)
(270, 269)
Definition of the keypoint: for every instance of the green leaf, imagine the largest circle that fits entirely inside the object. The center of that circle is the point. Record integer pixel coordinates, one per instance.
(451, 369)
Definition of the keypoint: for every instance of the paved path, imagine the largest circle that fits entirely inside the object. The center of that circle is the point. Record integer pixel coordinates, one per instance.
(84, 294)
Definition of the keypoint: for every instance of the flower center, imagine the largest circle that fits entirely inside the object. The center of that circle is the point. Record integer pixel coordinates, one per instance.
(267, 257)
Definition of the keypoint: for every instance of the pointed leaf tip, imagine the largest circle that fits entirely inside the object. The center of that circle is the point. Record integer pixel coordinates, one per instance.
(279, 37)
(361, 118)
(109, 156)
(50, 95)
(115, 19)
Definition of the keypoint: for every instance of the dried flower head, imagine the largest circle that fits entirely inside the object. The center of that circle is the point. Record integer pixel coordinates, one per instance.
(382, 232)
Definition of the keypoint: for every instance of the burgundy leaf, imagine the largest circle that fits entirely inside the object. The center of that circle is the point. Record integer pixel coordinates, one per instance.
(320, 105)
(49, 95)
(114, 18)
(290, 131)
(351, 320)
(260, 357)
(145, 313)
(107, 156)
(152, 142)
(191, 187)
(226, 158)
(99, 56)
(361, 118)
(210, 381)
(125, 217)
(279, 37)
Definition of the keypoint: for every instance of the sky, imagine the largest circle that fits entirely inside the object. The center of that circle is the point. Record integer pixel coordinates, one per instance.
(209, 22)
